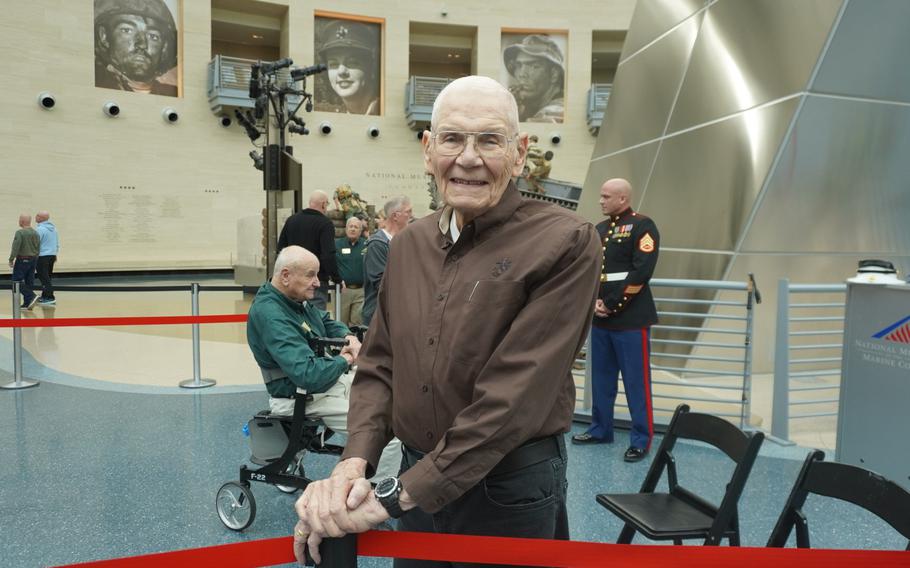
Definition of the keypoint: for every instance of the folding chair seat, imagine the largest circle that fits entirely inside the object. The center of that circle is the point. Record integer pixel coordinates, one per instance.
(680, 514)
(864, 488)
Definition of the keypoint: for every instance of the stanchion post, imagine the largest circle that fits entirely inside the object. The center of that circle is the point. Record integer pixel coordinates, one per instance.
(18, 381)
(197, 382)
(337, 301)
(336, 553)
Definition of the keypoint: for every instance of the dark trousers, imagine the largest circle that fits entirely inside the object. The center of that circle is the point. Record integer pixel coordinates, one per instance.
(526, 503)
(626, 351)
(24, 272)
(321, 298)
(46, 274)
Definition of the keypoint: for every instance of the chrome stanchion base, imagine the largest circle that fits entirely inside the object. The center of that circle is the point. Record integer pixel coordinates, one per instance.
(20, 385)
(192, 384)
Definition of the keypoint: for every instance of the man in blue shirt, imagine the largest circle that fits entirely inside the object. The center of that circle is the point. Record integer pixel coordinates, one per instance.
(47, 257)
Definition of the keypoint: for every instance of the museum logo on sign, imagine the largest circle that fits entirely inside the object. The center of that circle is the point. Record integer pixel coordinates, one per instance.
(898, 332)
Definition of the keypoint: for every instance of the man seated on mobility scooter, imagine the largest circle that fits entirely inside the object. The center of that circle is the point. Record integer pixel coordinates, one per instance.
(281, 326)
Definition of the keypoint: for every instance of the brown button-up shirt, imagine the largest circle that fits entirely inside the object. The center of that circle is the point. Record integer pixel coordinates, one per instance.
(469, 353)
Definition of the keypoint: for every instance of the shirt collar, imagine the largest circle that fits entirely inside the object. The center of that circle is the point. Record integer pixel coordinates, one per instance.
(500, 213)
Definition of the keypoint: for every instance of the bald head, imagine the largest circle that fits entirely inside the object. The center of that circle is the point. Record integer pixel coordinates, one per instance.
(466, 90)
(615, 196)
(25, 220)
(296, 273)
(319, 200)
(42, 216)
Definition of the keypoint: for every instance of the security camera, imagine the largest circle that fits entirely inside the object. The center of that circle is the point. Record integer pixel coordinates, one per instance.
(225, 121)
(325, 127)
(46, 100)
(555, 138)
(169, 115)
(111, 109)
(373, 132)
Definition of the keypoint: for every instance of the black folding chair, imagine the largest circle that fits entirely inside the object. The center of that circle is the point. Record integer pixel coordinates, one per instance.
(681, 514)
(866, 489)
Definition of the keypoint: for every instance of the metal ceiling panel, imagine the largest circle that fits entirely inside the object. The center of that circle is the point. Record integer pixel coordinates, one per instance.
(633, 165)
(864, 58)
(655, 17)
(644, 90)
(841, 184)
(750, 52)
(705, 181)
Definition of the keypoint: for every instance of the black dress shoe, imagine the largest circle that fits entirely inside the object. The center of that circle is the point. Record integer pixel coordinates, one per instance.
(635, 454)
(587, 438)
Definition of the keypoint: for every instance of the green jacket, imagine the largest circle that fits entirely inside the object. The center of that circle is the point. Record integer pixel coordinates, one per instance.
(350, 259)
(26, 242)
(278, 331)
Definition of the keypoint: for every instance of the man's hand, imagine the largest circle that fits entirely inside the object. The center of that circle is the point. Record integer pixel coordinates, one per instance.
(353, 346)
(369, 514)
(11, 264)
(327, 507)
(600, 309)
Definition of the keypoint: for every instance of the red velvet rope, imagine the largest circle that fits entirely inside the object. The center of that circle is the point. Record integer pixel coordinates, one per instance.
(530, 552)
(109, 321)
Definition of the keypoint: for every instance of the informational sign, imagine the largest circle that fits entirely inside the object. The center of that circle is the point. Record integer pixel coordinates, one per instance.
(873, 425)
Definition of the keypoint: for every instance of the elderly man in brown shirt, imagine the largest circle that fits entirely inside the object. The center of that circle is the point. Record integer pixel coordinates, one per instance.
(468, 360)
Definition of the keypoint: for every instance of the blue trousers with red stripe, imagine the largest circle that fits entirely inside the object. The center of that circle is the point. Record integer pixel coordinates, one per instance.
(627, 352)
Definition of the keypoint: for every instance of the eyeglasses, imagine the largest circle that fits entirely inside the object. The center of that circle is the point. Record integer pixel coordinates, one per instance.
(487, 144)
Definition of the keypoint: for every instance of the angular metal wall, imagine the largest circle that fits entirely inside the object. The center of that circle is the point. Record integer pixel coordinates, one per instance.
(766, 136)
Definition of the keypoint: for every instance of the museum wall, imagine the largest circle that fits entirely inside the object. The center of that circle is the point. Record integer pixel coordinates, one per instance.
(137, 193)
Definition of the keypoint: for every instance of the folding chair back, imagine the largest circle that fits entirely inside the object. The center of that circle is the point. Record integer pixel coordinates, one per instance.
(866, 489)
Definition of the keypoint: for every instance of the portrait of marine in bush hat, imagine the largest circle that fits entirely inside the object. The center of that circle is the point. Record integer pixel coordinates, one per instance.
(534, 70)
(136, 46)
(350, 49)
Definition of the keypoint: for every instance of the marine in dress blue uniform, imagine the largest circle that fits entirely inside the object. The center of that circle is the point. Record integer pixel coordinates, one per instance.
(620, 334)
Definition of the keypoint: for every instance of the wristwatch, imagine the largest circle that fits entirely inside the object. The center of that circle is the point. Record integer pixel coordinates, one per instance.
(387, 492)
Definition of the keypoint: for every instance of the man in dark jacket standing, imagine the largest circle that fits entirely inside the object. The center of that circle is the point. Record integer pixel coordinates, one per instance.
(398, 213)
(312, 230)
(623, 316)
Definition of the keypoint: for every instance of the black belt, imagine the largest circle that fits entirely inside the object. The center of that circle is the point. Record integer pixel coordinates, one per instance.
(307, 398)
(354, 286)
(25, 257)
(530, 453)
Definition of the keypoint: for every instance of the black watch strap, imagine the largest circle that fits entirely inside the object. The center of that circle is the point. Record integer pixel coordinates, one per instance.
(387, 493)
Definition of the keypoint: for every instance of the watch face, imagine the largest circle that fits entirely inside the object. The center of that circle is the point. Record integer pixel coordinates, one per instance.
(386, 487)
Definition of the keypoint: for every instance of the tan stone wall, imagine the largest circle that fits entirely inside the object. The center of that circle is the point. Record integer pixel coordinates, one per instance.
(137, 193)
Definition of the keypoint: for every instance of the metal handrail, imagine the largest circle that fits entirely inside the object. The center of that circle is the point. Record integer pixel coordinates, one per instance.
(783, 361)
(673, 344)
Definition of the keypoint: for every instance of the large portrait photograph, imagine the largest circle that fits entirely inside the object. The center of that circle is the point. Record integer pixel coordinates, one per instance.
(534, 69)
(136, 46)
(352, 51)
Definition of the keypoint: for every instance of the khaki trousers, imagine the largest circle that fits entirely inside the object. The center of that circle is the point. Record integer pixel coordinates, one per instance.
(332, 408)
(352, 306)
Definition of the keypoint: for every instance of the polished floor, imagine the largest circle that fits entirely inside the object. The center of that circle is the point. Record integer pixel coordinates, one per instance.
(107, 457)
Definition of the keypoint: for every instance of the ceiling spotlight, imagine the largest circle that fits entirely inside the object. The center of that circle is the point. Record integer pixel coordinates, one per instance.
(111, 109)
(46, 100)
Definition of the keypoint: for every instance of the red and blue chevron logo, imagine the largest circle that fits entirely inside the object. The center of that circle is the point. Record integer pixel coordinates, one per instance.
(897, 332)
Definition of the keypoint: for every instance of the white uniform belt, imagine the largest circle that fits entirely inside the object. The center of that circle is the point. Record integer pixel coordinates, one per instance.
(615, 276)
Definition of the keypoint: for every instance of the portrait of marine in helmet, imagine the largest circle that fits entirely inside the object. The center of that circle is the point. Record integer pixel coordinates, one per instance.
(136, 46)
(351, 51)
(534, 70)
